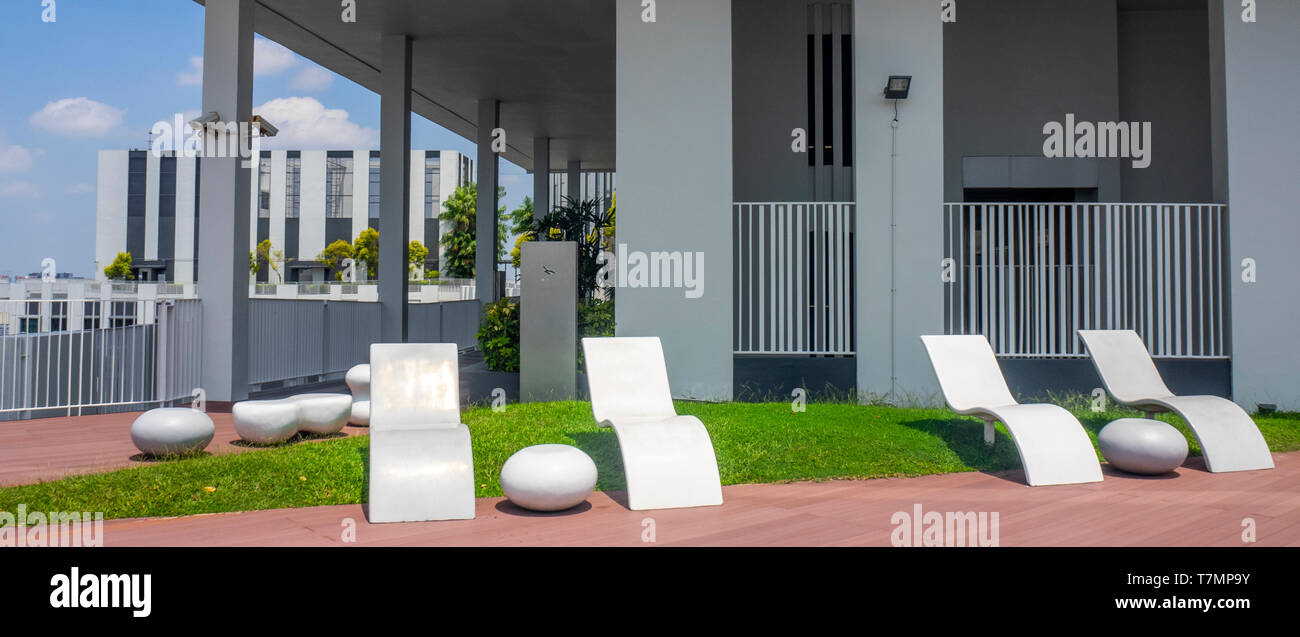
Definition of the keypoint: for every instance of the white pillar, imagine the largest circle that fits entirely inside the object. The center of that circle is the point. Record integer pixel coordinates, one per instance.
(674, 158)
(485, 257)
(224, 197)
(1262, 136)
(899, 293)
(394, 184)
(541, 176)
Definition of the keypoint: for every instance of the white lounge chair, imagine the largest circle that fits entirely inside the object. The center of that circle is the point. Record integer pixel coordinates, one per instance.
(668, 459)
(1054, 448)
(1230, 440)
(421, 464)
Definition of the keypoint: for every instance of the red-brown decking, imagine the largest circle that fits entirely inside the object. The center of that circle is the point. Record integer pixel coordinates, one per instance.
(47, 449)
(1193, 508)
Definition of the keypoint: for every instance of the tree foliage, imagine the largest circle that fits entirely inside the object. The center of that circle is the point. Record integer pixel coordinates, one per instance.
(265, 254)
(334, 255)
(459, 244)
(366, 248)
(416, 255)
(582, 222)
(120, 268)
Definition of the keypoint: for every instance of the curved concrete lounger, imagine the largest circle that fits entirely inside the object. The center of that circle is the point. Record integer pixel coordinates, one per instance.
(1230, 440)
(1053, 447)
(668, 459)
(421, 463)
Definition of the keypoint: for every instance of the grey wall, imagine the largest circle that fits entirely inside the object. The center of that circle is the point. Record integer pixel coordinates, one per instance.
(899, 37)
(1013, 65)
(769, 99)
(1164, 78)
(675, 180)
(1263, 137)
(1010, 66)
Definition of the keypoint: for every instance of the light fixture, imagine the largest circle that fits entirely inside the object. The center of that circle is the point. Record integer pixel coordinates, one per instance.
(264, 128)
(210, 118)
(898, 87)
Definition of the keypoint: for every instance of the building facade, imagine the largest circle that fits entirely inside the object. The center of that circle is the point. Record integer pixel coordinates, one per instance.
(148, 205)
(1054, 166)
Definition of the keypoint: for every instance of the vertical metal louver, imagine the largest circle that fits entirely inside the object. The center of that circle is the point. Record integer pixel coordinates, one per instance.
(830, 100)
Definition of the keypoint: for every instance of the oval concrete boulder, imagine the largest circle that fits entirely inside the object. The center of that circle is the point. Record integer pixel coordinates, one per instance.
(1145, 447)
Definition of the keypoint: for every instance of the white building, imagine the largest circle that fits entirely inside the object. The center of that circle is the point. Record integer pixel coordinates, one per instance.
(302, 201)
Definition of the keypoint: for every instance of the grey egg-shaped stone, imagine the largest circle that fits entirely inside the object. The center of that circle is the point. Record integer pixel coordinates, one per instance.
(1146, 447)
(548, 477)
(265, 422)
(172, 430)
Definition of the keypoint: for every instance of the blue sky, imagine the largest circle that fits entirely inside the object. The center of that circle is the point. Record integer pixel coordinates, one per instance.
(99, 77)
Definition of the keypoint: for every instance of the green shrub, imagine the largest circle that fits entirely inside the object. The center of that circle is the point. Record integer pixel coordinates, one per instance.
(595, 317)
(498, 335)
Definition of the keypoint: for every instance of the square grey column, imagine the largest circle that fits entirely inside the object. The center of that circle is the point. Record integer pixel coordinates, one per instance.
(548, 321)
(541, 176)
(224, 198)
(394, 184)
(485, 217)
(575, 180)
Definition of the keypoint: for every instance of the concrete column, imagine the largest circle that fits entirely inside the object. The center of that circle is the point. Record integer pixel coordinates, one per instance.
(1262, 135)
(394, 184)
(485, 257)
(541, 176)
(674, 155)
(899, 199)
(575, 180)
(225, 192)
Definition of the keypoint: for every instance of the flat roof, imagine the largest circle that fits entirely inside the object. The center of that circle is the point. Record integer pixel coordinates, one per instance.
(550, 63)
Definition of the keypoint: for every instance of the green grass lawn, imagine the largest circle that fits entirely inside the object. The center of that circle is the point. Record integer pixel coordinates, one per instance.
(755, 443)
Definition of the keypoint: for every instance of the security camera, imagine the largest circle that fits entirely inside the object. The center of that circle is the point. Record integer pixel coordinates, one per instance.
(210, 118)
(264, 128)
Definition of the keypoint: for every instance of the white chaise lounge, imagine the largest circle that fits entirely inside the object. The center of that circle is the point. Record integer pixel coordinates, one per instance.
(668, 459)
(1054, 448)
(421, 464)
(1230, 440)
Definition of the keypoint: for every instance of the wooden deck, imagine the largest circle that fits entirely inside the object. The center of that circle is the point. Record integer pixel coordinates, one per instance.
(1191, 508)
(47, 449)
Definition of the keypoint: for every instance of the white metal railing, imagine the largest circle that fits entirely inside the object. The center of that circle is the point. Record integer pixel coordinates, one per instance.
(793, 278)
(71, 354)
(439, 291)
(179, 349)
(1030, 275)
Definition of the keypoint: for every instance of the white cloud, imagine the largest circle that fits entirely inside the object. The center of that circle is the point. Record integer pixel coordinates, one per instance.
(194, 76)
(19, 190)
(306, 124)
(80, 189)
(313, 79)
(270, 58)
(14, 159)
(78, 116)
